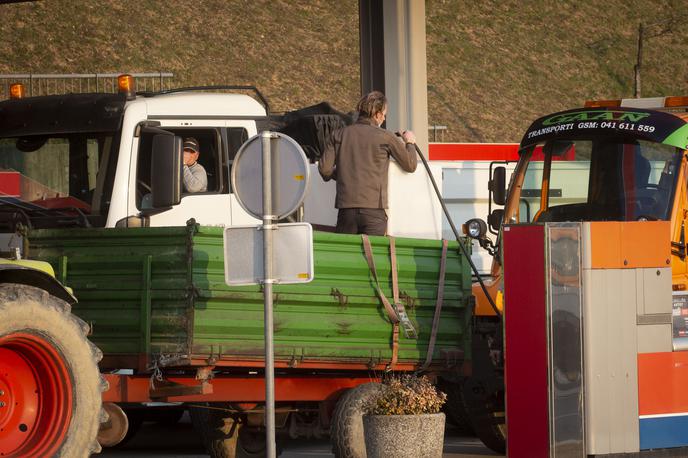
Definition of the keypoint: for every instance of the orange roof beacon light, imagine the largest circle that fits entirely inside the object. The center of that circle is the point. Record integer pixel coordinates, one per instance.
(656, 103)
(602, 103)
(126, 85)
(676, 102)
(16, 91)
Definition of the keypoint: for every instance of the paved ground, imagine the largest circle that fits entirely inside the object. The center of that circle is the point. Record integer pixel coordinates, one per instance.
(180, 441)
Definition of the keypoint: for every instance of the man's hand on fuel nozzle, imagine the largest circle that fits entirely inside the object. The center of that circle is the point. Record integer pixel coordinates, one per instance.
(408, 136)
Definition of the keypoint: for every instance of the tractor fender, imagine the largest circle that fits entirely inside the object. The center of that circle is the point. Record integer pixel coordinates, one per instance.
(35, 275)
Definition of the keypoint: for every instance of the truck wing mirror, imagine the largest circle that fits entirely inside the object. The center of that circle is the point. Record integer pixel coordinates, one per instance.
(497, 185)
(166, 168)
(495, 219)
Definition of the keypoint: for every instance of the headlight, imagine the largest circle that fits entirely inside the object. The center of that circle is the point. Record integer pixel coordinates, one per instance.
(476, 228)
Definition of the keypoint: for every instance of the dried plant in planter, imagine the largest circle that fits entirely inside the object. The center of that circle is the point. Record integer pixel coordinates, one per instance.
(406, 394)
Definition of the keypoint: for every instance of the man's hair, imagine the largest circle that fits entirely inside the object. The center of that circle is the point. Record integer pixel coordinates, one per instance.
(371, 103)
(192, 144)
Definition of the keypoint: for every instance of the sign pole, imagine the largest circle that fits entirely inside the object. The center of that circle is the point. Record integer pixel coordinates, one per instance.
(268, 280)
(275, 165)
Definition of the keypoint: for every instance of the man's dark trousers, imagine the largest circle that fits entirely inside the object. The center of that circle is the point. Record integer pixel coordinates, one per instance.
(371, 221)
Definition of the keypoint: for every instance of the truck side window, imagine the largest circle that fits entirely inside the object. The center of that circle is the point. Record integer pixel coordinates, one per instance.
(211, 158)
(236, 136)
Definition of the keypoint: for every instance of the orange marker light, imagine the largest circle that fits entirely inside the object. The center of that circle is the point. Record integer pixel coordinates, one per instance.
(602, 103)
(16, 91)
(676, 102)
(127, 85)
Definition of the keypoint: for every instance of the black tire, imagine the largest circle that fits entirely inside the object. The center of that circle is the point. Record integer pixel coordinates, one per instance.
(251, 443)
(483, 392)
(455, 407)
(486, 411)
(165, 416)
(224, 435)
(34, 321)
(346, 432)
(135, 422)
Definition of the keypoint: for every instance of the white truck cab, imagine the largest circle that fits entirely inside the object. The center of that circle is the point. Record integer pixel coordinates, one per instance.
(220, 122)
(114, 160)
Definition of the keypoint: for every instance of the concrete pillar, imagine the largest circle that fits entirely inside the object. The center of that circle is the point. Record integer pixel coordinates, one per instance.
(405, 68)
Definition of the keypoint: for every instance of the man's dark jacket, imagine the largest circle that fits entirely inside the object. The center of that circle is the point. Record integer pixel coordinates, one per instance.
(357, 156)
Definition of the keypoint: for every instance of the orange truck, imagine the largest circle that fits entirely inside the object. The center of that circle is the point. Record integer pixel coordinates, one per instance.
(590, 276)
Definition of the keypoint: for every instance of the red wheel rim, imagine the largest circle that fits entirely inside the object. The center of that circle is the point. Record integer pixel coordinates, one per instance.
(36, 399)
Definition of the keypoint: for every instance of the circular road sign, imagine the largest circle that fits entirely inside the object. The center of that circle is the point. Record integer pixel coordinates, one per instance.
(290, 175)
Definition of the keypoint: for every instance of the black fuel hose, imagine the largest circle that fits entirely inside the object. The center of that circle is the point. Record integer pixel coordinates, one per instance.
(456, 233)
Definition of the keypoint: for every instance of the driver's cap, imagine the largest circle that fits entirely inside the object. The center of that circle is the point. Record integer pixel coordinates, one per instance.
(192, 144)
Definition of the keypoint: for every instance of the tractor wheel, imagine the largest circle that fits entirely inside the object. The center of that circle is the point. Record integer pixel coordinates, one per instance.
(50, 386)
(455, 406)
(225, 436)
(347, 421)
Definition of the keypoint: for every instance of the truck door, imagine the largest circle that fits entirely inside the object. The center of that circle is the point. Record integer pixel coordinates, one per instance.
(218, 143)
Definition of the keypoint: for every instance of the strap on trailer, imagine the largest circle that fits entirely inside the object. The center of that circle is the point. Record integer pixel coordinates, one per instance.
(409, 330)
(438, 307)
(391, 313)
(396, 313)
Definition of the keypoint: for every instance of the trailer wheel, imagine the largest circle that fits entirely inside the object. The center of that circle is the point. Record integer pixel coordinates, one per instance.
(165, 416)
(347, 421)
(50, 386)
(251, 443)
(225, 436)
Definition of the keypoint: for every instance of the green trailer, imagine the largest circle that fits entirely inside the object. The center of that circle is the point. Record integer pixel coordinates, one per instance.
(157, 297)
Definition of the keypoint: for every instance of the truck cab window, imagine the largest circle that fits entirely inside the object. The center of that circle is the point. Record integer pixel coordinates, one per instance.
(236, 136)
(599, 180)
(210, 156)
(56, 178)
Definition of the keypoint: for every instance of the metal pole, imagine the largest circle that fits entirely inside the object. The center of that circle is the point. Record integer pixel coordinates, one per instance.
(268, 227)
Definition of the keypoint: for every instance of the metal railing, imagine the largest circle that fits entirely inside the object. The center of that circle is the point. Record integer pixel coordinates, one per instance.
(50, 84)
(434, 130)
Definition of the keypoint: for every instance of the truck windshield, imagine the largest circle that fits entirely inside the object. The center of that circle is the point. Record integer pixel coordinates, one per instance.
(50, 181)
(596, 180)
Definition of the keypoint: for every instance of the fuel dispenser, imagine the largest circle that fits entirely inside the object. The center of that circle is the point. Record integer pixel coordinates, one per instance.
(593, 365)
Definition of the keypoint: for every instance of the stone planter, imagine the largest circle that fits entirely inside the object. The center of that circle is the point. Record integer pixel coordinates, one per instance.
(402, 436)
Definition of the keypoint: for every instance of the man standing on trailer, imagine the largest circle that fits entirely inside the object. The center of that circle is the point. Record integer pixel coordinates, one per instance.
(357, 157)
